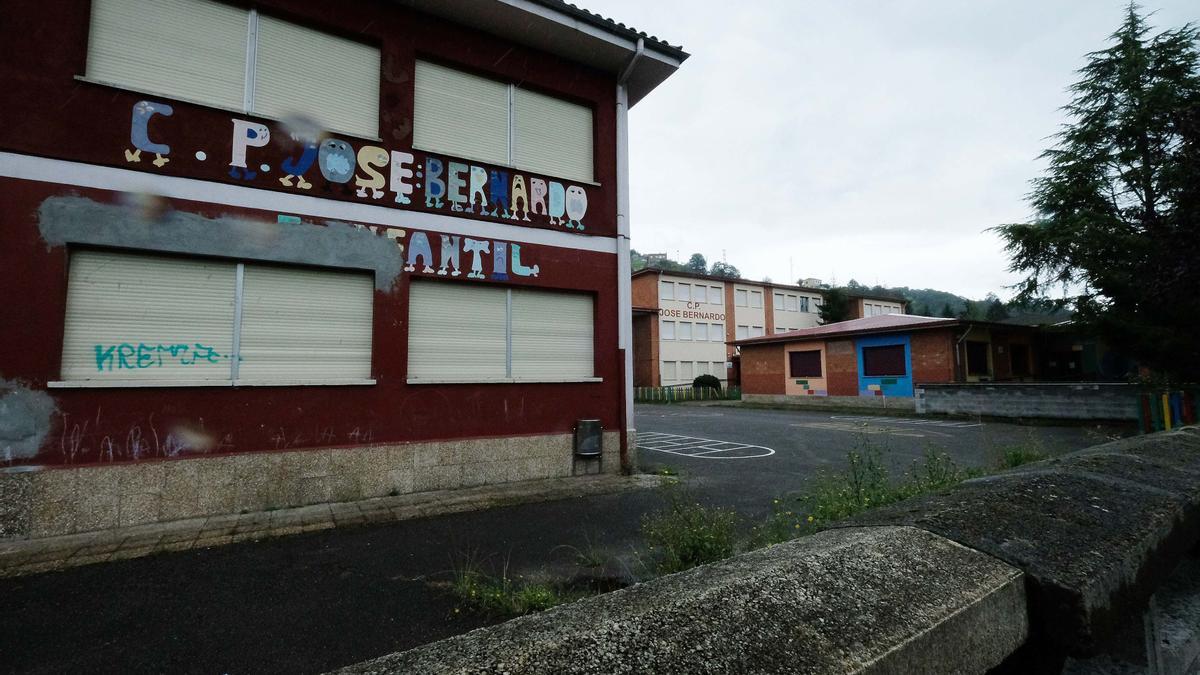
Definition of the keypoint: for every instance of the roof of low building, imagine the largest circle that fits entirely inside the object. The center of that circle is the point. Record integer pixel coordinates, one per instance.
(884, 323)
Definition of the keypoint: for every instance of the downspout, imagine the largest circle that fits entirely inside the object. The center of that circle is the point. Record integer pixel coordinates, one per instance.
(624, 292)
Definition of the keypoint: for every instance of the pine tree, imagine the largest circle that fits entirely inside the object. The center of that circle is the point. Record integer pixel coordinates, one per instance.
(835, 307)
(1116, 226)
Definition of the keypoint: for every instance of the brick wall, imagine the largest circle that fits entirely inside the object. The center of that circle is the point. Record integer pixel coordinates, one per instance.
(933, 356)
(763, 369)
(644, 290)
(645, 350)
(841, 364)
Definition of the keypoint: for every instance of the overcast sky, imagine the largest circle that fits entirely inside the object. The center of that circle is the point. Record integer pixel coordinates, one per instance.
(853, 139)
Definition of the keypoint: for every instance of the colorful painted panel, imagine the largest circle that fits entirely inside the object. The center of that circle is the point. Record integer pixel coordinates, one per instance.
(884, 365)
(311, 162)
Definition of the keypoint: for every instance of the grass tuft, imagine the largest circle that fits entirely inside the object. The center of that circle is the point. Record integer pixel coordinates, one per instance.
(504, 596)
(866, 483)
(686, 533)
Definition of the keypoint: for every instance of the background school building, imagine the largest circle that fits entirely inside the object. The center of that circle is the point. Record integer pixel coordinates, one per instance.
(684, 324)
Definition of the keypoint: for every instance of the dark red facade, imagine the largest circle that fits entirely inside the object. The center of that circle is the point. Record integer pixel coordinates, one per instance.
(50, 113)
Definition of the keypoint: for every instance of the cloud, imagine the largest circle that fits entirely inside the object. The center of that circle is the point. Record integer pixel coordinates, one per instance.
(856, 139)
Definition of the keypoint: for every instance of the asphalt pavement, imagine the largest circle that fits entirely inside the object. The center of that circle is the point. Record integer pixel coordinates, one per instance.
(793, 446)
(312, 602)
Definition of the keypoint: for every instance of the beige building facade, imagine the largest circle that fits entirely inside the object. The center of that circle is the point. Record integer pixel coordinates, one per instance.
(684, 322)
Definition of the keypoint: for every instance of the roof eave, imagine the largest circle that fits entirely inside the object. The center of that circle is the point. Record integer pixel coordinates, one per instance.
(773, 339)
(570, 32)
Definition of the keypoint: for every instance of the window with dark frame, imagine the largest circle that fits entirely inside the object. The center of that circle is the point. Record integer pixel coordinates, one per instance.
(805, 364)
(977, 358)
(1020, 359)
(884, 361)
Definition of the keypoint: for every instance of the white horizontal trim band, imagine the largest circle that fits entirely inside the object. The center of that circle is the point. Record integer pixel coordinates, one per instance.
(78, 174)
(110, 384)
(505, 380)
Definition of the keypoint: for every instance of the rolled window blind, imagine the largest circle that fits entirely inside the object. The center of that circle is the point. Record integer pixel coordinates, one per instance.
(191, 49)
(301, 324)
(329, 79)
(456, 332)
(552, 335)
(142, 317)
(552, 136)
(460, 114)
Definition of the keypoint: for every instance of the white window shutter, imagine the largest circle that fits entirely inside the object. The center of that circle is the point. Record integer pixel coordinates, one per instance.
(189, 49)
(456, 332)
(305, 72)
(552, 335)
(460, 114)
(552, 136)
(305, 325)
(148, 318)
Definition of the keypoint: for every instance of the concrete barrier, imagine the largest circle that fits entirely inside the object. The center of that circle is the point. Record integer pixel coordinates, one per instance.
(878, 600)
(1075, 401)
(1096, 532)
(1053, 567)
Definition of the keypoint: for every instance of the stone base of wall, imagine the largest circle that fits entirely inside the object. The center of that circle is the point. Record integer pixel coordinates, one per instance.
(1075, 401)
(866, 403)
(43, 502)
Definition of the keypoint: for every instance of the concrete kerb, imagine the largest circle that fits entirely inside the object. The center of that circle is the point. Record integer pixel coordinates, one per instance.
(878, 600)
(1095, 531)
(31, 556)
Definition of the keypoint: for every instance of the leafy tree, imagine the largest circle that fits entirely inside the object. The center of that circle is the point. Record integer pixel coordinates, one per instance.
(636, 261)
(724, 269)
(855, 286)
(835, 307)
(1117, 228)
(996, 311)
(947, 311)
(697, 264)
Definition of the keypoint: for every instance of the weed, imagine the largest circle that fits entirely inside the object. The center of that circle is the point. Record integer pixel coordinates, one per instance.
(686, 533)
(866, 483)
(1010, 456)
(589, 556)
(504, 596)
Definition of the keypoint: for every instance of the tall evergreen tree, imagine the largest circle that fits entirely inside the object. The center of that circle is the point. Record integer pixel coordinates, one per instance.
(1116, 225)
(835, 307)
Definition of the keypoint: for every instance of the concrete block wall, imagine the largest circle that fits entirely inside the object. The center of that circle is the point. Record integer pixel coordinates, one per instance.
(66, 500)
(1078, 401)
(865, 403)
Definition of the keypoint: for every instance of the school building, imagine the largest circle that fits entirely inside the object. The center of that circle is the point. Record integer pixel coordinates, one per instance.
(260, 255)
(685, 324)
(884, 355)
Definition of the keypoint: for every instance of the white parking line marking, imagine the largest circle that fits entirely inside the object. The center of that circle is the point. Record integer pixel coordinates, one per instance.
(949, 424)
(704, 448)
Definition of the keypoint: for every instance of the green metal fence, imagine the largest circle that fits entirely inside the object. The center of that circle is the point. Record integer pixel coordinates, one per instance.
(685, 393)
